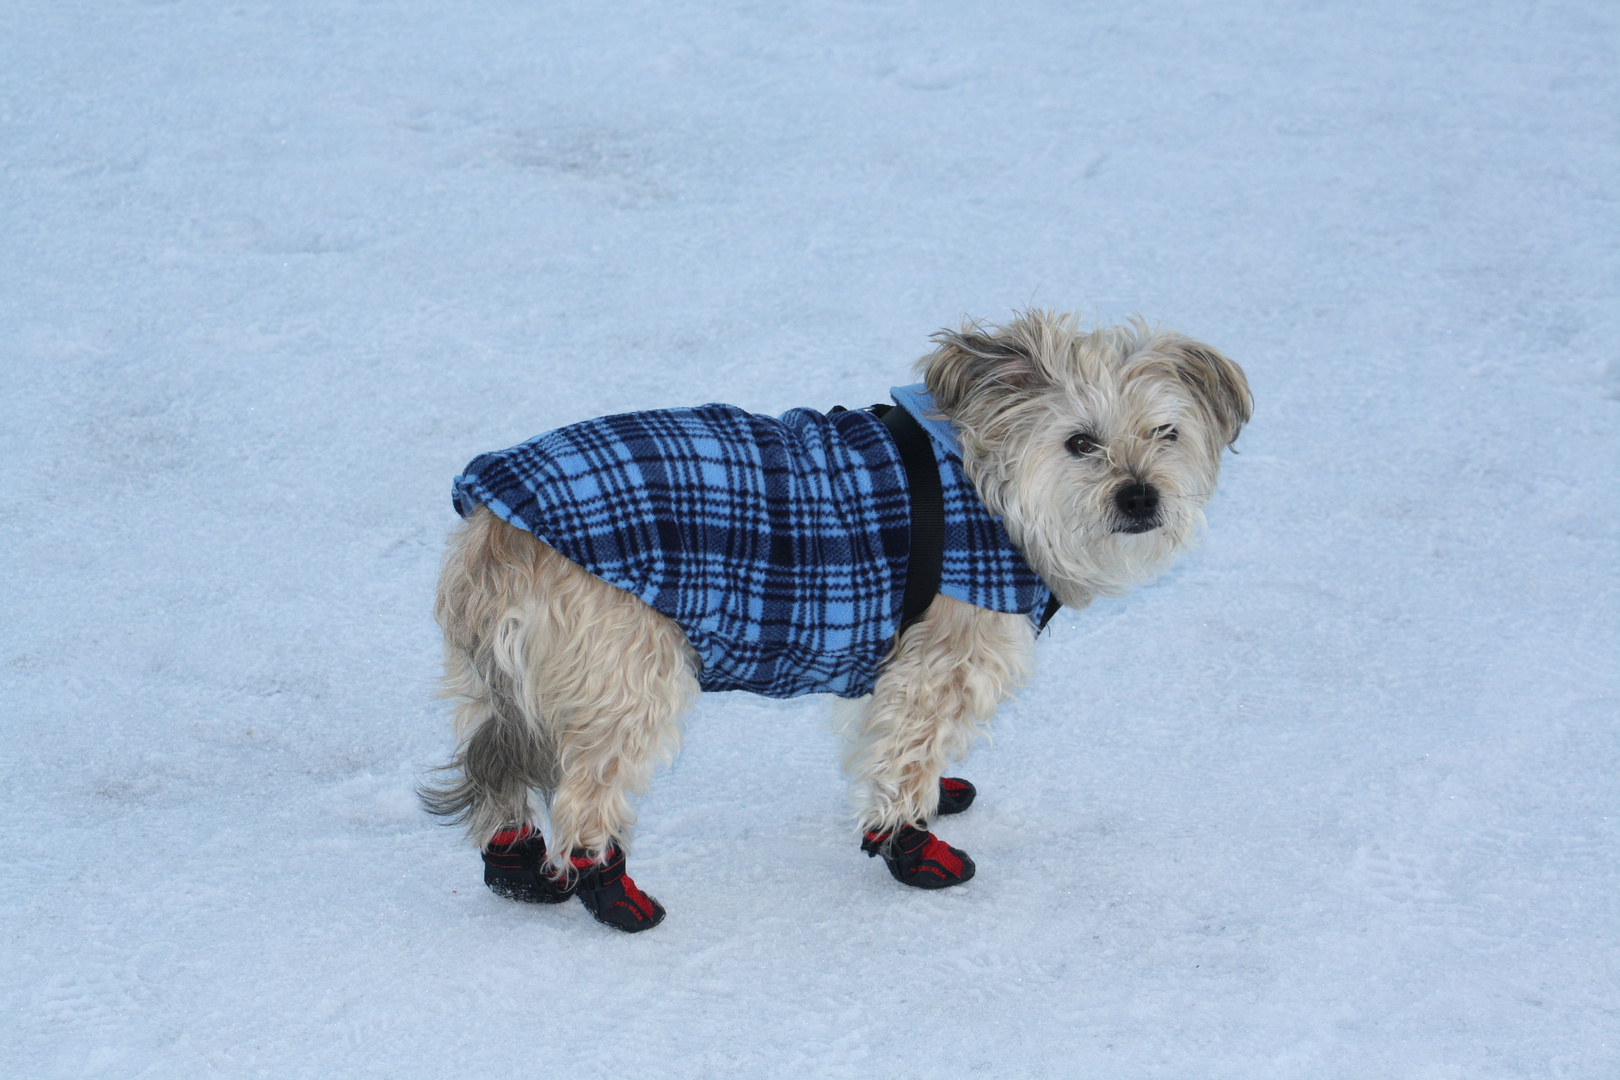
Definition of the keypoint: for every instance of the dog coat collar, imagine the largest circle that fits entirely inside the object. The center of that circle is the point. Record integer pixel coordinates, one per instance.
(917, 401)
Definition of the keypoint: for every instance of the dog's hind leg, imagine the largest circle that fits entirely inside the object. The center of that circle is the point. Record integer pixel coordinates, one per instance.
(566, 685)
(939, 686)
(617, 681)
(616, 677)
(490, 606)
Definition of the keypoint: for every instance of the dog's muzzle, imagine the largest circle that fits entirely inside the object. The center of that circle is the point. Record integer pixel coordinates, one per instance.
(1138, 504)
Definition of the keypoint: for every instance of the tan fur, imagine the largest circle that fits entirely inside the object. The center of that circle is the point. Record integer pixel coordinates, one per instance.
(575, 686)
(938, 689)
(570, 687)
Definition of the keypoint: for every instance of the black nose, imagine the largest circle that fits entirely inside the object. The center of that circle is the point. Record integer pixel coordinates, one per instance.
(1137, 501)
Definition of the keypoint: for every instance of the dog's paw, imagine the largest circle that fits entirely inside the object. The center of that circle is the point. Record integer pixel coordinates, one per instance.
(611, 896)
(955, 795)
(514, 867)
(919, 859)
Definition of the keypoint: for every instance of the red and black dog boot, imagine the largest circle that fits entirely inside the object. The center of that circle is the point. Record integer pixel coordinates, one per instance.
(514, 867)
(919, 858)
(608, 893)
(955, 795)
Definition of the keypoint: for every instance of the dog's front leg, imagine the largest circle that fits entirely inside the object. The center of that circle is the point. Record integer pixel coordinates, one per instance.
(938, 687)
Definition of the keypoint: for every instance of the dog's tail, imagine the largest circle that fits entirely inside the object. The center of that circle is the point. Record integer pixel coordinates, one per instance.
(504, 751)
(498, 763)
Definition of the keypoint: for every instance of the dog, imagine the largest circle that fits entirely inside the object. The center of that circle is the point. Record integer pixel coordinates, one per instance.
(607, 572)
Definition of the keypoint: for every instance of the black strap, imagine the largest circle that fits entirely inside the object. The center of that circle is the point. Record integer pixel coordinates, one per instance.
(1053, 606)
(924, 565)
(926, 562)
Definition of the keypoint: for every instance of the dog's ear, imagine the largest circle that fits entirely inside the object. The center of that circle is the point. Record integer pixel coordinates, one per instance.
(969, 360)
(1217, 383)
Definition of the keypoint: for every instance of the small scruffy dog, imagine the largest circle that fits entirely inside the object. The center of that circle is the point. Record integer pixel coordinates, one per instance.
(609, 570)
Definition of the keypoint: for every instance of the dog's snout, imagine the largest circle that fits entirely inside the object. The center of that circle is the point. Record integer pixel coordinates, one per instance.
(1138, 501)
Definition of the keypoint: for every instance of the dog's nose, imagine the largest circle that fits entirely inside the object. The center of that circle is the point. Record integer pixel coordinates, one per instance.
(1138, 501)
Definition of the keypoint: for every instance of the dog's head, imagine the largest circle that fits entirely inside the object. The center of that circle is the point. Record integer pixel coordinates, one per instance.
(1099, 450)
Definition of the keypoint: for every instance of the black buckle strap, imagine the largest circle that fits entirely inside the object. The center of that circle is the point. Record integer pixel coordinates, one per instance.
(925, 563)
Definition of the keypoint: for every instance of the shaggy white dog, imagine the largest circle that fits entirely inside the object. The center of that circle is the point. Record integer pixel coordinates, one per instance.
(1096, 451)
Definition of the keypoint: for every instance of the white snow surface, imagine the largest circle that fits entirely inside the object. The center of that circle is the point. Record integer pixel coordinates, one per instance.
(1336, 797)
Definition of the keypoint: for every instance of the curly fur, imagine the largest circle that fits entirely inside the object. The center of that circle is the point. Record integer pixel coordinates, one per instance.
(562, 683)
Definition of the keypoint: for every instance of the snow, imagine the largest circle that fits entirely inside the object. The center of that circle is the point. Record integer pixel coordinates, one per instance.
(1335, 797)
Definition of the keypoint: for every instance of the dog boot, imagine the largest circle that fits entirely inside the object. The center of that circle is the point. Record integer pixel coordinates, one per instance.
(608, 893)
(919, 858)
(955, 795)
(514, 867)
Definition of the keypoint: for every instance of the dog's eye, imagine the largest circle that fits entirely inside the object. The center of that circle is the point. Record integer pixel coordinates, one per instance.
(1167, 432)
(1082, 444)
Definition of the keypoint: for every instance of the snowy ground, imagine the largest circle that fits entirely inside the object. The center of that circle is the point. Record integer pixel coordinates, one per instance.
(1337, 797)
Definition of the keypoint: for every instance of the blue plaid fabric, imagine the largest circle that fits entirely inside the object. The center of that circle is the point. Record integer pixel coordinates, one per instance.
(778, 545)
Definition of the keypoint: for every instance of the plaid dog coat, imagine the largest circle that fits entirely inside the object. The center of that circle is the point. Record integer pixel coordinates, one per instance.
(778, 544)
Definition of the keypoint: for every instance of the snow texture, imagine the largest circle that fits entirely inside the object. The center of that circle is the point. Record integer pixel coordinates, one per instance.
(1337, 797)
